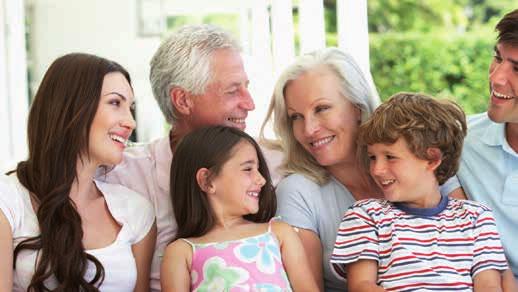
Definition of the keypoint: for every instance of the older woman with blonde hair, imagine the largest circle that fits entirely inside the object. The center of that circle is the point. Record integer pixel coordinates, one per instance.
(317, 106)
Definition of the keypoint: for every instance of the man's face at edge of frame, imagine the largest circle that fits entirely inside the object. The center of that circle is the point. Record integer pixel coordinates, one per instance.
(503, 81)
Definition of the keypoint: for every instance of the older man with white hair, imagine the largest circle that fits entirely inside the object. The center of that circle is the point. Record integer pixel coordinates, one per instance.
(198, 79)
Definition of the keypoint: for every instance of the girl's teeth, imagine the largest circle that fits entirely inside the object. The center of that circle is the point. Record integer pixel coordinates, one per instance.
(253, 194)
(387, 182)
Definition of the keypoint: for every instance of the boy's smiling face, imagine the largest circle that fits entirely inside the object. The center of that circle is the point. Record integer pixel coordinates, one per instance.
(402, 176)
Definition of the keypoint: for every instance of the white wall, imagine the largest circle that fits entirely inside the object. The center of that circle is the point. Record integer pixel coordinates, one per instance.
(13, 84)
(105, 28)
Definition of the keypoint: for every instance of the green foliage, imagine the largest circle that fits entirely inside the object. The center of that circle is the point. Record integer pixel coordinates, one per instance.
(411, 15)
(453, 66)
(488, 11)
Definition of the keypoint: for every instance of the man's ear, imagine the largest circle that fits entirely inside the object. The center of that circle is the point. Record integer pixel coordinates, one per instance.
(181, 100)
(203, 179)
(434, 157)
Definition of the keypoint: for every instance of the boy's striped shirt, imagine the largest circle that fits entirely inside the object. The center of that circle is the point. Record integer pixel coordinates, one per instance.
(438, 249)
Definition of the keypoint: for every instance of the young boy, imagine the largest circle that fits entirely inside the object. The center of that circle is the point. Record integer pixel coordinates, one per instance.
(416, 238)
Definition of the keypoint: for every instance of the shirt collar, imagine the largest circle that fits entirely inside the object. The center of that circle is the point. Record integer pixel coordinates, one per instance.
(163, 156)
(495, 136)
(425, 212)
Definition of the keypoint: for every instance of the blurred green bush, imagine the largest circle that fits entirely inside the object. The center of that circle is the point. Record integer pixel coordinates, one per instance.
(453, 66)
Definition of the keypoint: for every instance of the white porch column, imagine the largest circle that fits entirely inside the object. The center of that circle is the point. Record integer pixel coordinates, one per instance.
(259, 65)
(282, 34)
(14, 101)
(261, 43)
(353, 32)
(311, 25)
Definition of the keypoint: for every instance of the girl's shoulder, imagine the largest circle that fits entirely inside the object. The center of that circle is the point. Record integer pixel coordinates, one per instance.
(281, 229)
(177, 255)
(179, 248)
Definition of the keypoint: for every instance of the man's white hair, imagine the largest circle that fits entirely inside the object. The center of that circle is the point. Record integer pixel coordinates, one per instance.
(184, 60)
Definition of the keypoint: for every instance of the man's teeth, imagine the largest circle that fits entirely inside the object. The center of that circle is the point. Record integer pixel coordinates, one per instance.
(236, 120)
(118, 138)
(387, 182)
(253, 194)
(321, 141)
(500, 95)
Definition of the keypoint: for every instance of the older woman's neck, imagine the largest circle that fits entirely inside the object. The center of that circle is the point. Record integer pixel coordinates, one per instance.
(356, 181)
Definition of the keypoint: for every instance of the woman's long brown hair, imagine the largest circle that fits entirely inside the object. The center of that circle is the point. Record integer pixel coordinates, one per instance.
(58, 129)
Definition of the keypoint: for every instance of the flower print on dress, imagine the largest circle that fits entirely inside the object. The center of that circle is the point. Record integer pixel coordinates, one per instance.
(267, 287)
(218, 276)
(263, 250)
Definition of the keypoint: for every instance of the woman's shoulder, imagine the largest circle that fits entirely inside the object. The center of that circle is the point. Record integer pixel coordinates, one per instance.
(122, 196)
(129, 207)
(14, 201)
(11, 190)
(298, 181)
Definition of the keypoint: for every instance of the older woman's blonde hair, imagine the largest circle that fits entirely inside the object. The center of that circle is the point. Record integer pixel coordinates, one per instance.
(354, 87)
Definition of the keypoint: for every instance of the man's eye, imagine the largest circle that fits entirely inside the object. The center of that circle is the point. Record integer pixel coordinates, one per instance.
(497, 58)
(233, 91)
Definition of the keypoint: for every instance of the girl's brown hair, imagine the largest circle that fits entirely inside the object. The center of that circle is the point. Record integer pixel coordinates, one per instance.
(58, 129)
(210, 148)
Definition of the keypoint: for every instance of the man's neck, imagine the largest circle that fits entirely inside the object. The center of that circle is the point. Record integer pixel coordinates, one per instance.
(511, 134)
(178, 131)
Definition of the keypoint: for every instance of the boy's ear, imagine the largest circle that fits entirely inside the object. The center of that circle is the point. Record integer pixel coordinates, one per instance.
(434, 157)
(203, 179)
(181, 100)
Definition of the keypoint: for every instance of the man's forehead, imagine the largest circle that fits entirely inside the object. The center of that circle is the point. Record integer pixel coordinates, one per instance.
(510, 51)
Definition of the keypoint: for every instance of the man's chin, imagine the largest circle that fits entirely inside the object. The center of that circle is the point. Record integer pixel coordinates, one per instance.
(495, 116)
(240, 126)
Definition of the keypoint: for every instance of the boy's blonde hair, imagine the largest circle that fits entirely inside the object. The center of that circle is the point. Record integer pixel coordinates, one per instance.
(424, 122)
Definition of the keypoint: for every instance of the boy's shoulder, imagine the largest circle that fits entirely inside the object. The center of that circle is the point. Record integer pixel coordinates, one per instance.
(371, 203)
(373, 206)
(468, 205)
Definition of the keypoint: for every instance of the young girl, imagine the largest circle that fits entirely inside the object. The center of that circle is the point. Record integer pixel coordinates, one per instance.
(223, 203)
(63, 230)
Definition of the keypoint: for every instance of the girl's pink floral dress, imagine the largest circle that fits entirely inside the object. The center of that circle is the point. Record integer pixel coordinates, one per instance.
(248, 264)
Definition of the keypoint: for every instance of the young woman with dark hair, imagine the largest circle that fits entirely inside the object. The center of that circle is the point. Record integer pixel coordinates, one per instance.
(223, 202)
(60, 230)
